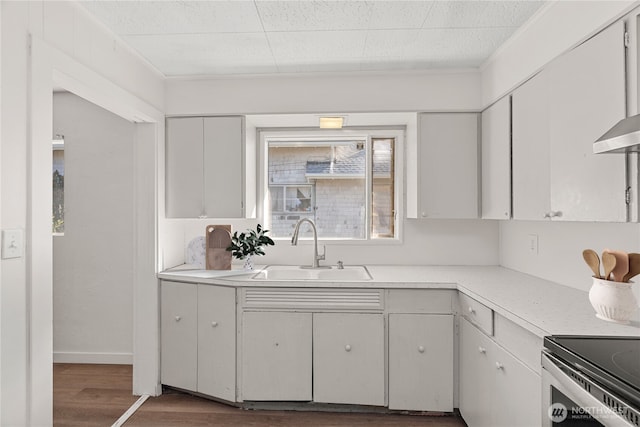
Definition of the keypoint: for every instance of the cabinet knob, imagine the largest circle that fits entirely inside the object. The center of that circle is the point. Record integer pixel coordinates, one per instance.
(347, 347)
(178, 318)
(499, 366)
(482, 350)
(421, 348)
(214, 324)
(553, 214)
(471, 310)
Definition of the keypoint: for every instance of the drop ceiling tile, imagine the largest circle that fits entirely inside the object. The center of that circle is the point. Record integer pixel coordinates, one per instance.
(304, 45)
(314, 15)
(460, 47)
(184, 37)
(176, 17)
(399, 14)
(245, 46)
(391, 43)
(468, 14)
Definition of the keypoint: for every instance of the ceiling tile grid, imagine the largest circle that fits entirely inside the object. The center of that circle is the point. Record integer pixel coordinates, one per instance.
(214, 37)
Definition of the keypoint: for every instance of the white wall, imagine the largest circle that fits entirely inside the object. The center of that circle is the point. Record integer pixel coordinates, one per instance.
(354, 92)
(93, 260)
(25, 195)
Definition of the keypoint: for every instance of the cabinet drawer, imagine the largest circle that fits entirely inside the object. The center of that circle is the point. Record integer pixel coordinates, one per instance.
(434, 301)
(523, 344)
(477, 313)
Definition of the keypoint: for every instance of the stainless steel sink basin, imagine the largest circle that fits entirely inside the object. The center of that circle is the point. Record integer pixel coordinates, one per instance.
(350, 273)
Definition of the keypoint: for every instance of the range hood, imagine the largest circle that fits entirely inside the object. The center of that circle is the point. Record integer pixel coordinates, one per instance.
(624, 137)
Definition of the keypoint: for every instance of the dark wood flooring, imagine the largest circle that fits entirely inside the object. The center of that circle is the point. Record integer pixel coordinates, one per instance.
(97, 395)
(90, 395)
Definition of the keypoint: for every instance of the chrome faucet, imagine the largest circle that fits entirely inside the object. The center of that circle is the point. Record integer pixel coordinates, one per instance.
(316, 257)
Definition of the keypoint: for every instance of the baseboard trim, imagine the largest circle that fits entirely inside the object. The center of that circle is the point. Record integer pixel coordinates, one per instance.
(94, 358)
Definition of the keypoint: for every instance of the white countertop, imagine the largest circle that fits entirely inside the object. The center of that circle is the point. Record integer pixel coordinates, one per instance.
(540, 306)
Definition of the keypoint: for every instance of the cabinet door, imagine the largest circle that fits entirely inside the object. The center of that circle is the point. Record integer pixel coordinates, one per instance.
(276, 356)
(421, 362)
(217, 341)
(223, 167)
(184, 167)
(477, 376)
(587, 97)
(530, 145)
(496, 160)
(348, 358)
(448, 152)
(517, 397)
(178, 322)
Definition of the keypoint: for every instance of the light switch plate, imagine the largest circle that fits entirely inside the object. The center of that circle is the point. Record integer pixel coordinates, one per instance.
(12, 243)
(533, 244)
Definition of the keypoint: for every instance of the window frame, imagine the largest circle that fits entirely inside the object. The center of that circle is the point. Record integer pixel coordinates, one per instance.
(315, 135)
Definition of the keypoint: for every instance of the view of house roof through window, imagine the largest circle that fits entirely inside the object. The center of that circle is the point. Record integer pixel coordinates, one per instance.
(345, 187)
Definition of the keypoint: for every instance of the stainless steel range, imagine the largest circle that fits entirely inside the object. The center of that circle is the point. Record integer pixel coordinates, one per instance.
(591, 380)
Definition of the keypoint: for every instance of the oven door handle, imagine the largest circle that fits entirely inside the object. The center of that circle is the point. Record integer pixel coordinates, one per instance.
(553, 375)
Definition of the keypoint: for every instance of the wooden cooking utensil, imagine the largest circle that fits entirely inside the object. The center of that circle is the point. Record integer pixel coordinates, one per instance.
(622, 265)
(593, 260)
(634, 267)
(608, 263)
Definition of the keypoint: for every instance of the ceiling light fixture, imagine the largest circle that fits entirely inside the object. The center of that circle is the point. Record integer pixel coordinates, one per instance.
(331, 122)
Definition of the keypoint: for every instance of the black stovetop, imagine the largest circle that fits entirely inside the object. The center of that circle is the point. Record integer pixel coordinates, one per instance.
(612, 361)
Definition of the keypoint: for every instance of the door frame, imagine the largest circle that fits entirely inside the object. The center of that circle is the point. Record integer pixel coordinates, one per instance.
(51, 68)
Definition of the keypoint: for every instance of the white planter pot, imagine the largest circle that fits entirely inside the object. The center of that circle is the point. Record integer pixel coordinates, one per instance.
(613, 301)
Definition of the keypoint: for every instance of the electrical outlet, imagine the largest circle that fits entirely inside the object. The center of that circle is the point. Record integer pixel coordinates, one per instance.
(533, 244)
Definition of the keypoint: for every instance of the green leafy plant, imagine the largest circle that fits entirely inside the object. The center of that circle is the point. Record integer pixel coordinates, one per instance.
(249, 242)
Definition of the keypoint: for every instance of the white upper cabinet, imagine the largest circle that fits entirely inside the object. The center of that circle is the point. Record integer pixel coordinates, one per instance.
(587, 97)
(557, 116)
(496, 160)
(204, 167)
(184, 167)
(448, 165)
(531, 173)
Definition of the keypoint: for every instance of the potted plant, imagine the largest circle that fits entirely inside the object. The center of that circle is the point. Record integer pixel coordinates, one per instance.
(249, 243)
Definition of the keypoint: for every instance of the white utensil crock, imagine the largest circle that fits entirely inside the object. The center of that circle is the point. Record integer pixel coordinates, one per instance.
(613, 301)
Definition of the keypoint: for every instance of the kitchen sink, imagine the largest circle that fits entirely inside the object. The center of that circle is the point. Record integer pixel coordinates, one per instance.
(349, 273)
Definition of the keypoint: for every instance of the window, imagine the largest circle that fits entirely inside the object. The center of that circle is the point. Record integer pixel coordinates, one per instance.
(345, 184)
(58, 185)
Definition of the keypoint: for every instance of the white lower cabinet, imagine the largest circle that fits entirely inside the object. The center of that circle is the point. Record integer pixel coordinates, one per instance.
(276, 356)
(348, 358)
(496, 389)
(198, 346)
(217, 341)
(298, 346)
(421, 362)
(179, 341)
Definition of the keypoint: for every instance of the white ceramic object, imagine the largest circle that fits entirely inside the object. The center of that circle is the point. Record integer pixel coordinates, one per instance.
(613, 301)
(196, 251)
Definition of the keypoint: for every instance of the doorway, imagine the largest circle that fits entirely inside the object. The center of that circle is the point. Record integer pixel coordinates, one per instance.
(93, 256)
(49, 69)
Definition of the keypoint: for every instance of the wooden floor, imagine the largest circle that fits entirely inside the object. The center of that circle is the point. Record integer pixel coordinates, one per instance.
(97, 395)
